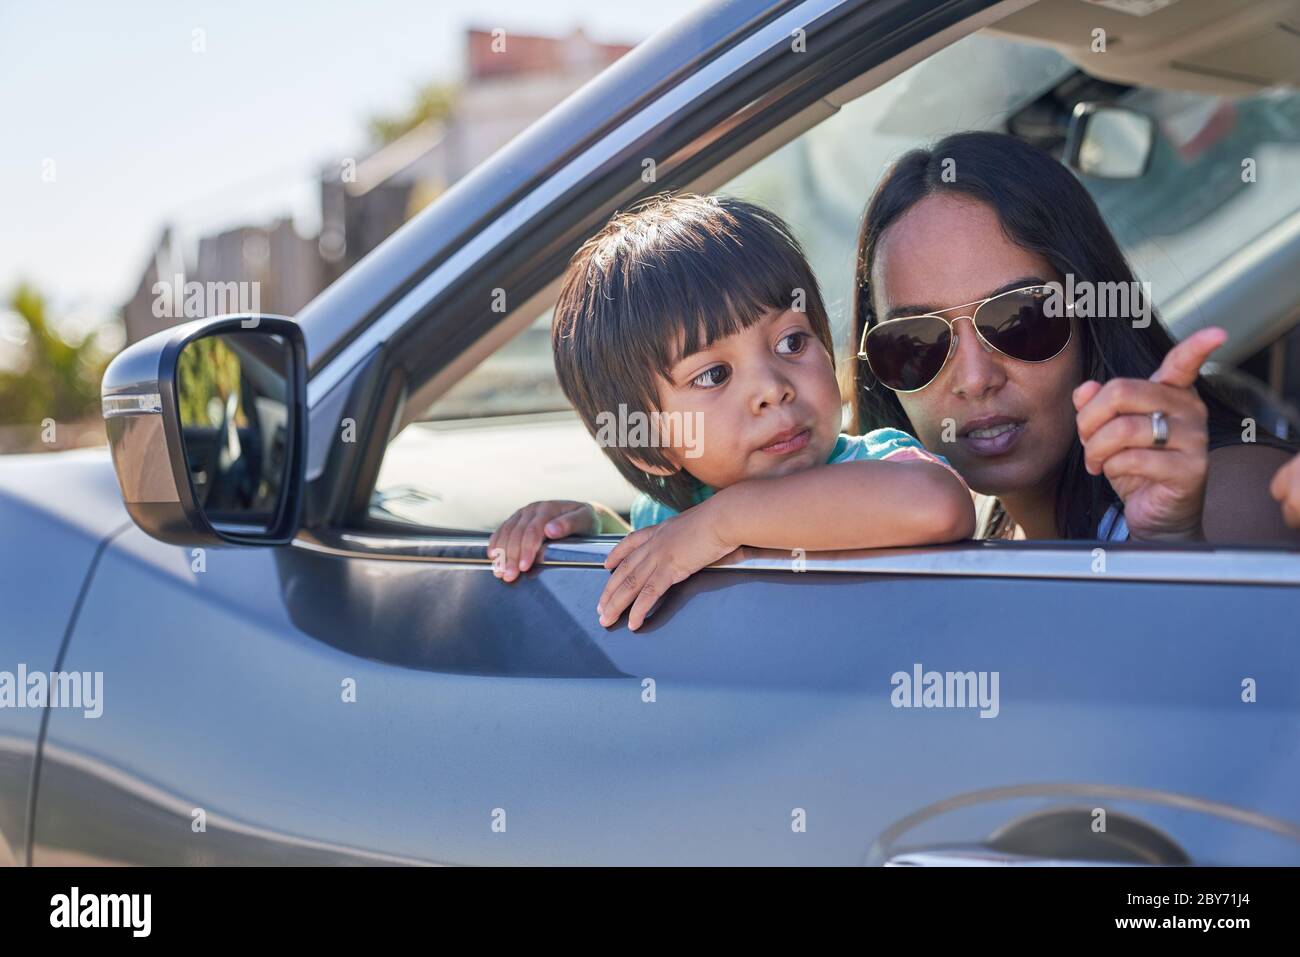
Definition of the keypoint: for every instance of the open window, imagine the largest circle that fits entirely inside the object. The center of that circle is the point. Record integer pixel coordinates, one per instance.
(503, 435)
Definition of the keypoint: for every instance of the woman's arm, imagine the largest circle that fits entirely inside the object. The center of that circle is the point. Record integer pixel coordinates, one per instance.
(1180, 491)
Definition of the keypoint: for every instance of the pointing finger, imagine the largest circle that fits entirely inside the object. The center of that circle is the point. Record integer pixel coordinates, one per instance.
(1183, 362)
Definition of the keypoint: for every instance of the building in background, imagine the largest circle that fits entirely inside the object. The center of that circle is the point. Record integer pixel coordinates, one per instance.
(138, 313)
(511, 80)
(266, 269)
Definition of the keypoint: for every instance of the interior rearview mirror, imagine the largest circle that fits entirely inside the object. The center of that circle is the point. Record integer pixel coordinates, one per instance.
(207, 426)
(1111, 142)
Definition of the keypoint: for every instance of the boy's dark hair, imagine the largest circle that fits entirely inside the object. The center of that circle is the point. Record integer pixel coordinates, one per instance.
(672, 268)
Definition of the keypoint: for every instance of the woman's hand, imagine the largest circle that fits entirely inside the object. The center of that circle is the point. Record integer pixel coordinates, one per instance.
(651, 560)
(1162, 486)
(519, 541)
(1286, 489)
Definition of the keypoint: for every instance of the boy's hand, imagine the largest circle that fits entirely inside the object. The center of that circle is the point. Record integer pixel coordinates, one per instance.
(521, 538)
(1286, 489)
(651, 560)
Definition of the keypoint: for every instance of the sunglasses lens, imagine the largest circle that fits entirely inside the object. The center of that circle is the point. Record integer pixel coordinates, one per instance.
(1017, 325)
(906, 354)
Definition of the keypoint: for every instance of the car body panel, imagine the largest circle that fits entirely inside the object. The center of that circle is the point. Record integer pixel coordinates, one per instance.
(473, 696)
(55, 512)
(498, 723)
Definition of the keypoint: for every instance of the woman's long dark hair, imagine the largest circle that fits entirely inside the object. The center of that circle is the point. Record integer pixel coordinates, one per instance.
(1045, 210)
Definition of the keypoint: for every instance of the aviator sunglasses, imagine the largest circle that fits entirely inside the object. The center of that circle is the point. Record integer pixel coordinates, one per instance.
(908, 353)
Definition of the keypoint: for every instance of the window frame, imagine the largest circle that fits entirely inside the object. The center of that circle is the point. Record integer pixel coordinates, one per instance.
(737, 108)
(770, 111)
(1193, 564)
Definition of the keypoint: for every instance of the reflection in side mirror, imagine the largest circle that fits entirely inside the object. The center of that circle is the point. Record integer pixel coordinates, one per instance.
(207, 425)
(1110, 142)
(232, 392)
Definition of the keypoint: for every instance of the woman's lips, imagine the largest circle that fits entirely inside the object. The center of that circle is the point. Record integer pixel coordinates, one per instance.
(792, 443)
(994, 439)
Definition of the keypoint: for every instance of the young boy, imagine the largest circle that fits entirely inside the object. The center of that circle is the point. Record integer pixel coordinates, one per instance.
(700, 315)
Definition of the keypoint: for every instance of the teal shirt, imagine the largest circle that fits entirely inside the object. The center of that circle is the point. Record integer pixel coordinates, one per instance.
(891, 444)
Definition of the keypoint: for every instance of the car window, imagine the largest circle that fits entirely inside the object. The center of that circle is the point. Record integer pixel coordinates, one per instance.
(1189, 212)
(501, 437)
(517, 379)
(505, 436)
(1223, 172)
(820, 182)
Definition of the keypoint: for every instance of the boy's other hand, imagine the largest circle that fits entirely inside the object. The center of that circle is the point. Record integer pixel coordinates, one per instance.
(521, 538)
(651, 560)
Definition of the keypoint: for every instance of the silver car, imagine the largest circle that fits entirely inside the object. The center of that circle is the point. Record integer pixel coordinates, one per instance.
(288, 643)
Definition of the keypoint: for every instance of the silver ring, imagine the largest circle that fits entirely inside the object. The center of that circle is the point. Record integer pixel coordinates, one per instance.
(1159, 430)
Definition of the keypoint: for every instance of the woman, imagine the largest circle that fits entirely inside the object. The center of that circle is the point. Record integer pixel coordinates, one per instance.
(1075, 425)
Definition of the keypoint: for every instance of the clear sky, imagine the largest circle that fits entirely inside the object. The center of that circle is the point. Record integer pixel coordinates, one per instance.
(142, 130)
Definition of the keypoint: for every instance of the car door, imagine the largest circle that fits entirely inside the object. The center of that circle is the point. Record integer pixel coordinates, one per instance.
(373, 694)
(44, 584)
(387, 700)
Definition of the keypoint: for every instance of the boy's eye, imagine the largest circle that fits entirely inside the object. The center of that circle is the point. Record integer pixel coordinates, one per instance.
(792, 344)
(710, 378)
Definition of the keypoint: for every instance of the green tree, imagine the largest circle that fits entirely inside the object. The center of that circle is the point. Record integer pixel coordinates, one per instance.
(433, 101)
(207, 369)
(61, 380)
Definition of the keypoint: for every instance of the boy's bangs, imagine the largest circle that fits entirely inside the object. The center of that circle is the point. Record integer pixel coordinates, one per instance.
(719, 299)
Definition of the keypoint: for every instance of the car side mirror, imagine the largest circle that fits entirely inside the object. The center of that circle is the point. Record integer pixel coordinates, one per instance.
(1110, 142)
(207, 425)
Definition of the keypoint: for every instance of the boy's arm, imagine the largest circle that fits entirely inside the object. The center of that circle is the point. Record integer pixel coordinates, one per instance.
(863, 504)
